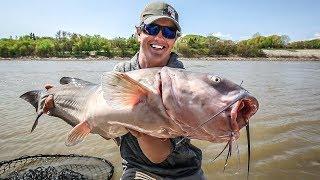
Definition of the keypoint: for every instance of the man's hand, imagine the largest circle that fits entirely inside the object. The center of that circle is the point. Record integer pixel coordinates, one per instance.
(48, 103)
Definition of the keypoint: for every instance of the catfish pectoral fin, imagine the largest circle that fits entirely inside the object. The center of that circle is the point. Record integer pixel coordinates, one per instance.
(78, 133)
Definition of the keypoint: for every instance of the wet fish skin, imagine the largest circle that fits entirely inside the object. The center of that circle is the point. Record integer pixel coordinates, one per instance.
(162, 102)
(77, 101)
(70, 99)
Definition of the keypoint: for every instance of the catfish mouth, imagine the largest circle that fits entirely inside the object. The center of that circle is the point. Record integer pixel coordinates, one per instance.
(238, 112)
(242, 110)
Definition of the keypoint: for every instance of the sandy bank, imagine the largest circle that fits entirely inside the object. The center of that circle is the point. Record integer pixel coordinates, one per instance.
(300, 53)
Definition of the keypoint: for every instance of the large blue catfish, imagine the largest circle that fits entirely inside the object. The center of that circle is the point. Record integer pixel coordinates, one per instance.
(161, 102)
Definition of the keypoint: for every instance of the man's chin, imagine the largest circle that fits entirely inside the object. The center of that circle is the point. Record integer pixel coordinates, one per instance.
(154, 52)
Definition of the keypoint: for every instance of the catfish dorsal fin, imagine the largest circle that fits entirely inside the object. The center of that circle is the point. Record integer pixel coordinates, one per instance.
(120, 90)
(75, 81)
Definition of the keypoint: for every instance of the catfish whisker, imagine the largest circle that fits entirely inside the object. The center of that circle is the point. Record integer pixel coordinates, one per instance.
(238, 155)
(225, 147)
(229, 149)
(228, 155)
(249, 151)
(223, 109)
(183, 139)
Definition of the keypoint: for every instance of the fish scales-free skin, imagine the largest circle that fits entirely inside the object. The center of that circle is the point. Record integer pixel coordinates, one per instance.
(162, 102)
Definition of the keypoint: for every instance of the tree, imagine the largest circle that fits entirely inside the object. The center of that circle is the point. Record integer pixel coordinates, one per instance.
(192, 46)
(257, 34)
(7, 48)
(244, 50)
(44, 47)
(25, 47)
(285, 39)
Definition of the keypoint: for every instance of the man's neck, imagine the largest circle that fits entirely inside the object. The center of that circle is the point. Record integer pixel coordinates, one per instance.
(145, 63)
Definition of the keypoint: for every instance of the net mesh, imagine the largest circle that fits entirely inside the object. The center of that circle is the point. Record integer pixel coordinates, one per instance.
(56, 167)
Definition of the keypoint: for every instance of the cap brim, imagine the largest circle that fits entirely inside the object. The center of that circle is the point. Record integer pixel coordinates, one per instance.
(154, 18)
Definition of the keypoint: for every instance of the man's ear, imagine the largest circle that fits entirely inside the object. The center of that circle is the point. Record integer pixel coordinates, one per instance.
(178, 35)
(138, 32)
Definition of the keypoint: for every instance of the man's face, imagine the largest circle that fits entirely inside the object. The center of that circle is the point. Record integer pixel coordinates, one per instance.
(156, 48)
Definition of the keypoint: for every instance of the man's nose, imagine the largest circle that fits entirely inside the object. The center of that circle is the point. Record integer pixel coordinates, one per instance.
(160, 36)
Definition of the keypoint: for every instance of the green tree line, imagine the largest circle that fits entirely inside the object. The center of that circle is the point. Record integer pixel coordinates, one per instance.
(66, 44)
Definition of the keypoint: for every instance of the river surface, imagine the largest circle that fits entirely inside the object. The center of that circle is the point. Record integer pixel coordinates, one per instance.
(285, 132)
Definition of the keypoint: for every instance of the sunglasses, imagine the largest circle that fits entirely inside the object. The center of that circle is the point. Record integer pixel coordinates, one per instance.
(154, 29)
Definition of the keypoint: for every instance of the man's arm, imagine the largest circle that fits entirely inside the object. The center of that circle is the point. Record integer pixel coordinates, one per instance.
(155, 149)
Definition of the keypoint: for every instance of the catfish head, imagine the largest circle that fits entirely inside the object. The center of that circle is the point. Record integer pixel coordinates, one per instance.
(206, 107)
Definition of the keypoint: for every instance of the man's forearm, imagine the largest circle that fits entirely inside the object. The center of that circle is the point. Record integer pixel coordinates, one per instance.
(155, 149)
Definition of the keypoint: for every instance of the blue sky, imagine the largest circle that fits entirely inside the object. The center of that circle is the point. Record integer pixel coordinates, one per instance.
(229, 19)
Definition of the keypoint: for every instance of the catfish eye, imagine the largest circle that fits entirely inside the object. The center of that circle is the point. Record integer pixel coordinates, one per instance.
(215, 79)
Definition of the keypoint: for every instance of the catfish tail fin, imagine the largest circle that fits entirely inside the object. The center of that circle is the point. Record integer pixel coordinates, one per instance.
(32, 97)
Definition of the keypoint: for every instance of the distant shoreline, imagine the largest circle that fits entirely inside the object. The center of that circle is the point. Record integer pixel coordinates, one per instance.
(271, 55)
(181, 58)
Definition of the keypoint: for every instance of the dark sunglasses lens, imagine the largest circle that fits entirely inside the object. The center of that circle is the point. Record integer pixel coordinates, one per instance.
(168, 32)
(152, 29)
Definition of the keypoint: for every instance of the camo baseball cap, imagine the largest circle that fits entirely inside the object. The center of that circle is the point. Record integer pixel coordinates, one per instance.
(158, 10)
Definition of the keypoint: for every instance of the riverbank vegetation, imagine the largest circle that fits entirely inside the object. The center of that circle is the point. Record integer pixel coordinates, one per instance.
(70, 45)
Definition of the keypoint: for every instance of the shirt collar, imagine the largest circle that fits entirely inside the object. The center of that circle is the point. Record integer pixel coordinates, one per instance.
(135, 62)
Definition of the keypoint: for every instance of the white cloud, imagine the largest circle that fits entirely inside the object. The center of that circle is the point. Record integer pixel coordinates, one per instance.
(244, 38)
(221, 35)
(317, 35)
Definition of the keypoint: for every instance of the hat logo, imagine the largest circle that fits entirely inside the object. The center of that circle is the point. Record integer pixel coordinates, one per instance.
(171, 12)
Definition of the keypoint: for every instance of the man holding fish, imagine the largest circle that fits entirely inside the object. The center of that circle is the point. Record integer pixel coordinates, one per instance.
(143, 154)
(146, 156)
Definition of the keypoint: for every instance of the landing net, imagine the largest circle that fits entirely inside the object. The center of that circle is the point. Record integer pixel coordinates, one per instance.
(56, 167)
